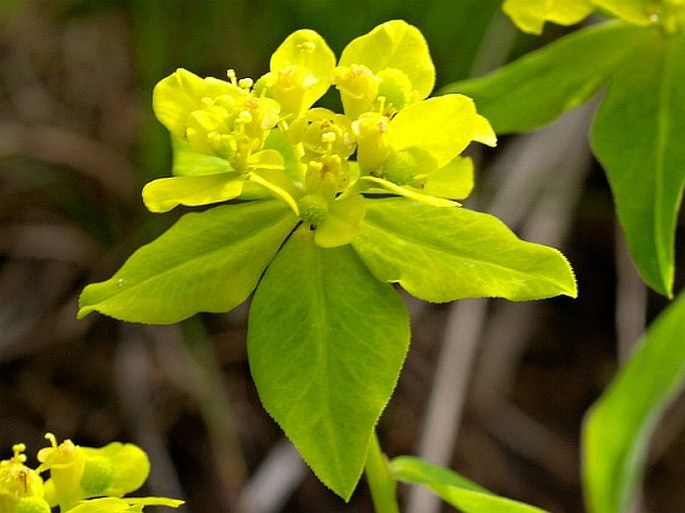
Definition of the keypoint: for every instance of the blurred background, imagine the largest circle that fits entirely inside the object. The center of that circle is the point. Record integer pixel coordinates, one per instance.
(495, 390)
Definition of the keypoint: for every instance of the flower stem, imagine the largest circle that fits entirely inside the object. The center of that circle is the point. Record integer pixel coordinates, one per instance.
(382, 485)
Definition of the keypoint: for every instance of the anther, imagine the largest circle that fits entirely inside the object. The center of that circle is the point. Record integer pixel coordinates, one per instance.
(328, 137)
(18, 449)
(244, 117)
(232, 77)
(245, 83)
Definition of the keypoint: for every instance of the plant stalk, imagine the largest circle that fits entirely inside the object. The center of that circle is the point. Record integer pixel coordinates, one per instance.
(381, 484)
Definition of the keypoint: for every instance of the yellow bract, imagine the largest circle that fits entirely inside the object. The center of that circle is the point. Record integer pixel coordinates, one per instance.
(531, 15)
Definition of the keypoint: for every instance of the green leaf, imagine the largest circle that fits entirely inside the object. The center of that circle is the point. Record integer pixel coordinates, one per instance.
(454, 489)
(539, 87)
(394, 44)
(207, 262)
(618, 427)
(639, 138)
(326, 342)
(443, 254)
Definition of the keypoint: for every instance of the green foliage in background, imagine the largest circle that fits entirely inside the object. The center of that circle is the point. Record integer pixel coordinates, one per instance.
(638, 135)
(618, 427)
(638, 132)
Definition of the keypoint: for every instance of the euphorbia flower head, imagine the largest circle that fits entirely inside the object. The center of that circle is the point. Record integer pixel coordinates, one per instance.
(234, 140)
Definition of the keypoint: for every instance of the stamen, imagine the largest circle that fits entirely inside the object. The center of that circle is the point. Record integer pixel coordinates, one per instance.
(381, 101)
(328, 138)
(52, 439)
(232, 77)
(382, 126)
(309, 81)
(244, 117)
(18, 449)
(246, 83)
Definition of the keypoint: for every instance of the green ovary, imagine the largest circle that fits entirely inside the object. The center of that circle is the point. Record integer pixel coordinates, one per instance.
(400, 167)
(396, 88)
(313, 209)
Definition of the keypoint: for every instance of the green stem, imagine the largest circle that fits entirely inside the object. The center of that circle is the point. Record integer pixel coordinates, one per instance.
(382, 485)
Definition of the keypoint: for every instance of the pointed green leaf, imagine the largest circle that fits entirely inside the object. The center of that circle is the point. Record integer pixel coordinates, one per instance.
(639, 138)
(618, 427)
(443, 254)
(326, 342)
(454, 489)
(207, 262)
(394, 44)
(539, 87)
(164, 194)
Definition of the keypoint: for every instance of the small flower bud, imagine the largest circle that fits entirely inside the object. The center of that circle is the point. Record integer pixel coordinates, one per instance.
(396, 88)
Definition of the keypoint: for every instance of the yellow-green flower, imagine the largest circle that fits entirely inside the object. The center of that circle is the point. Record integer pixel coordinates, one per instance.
(216, 117)
(300, 72)
(65, 462)
(389, 65)
(235, 141)
(77, 473)
(19, 483)
(416, 153)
